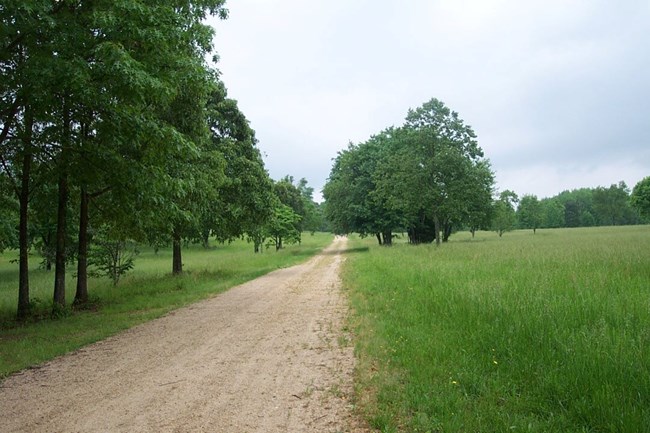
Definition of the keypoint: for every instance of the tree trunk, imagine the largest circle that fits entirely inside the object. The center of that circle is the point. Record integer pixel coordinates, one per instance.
(60, 257)
(177, 262)
(378, 237)
(388, 238)
(446, 232)
(436, 227)
(47, 243)
(205, 239)
(59, 262)
(23, 241)
(81, 296)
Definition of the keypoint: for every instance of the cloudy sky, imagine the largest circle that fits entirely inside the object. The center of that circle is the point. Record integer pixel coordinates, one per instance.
(558, 91)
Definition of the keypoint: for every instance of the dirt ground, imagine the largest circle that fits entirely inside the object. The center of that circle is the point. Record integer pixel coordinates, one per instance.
(267, 356)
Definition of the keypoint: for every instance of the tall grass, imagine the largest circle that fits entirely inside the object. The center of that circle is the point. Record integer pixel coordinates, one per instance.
(147, 292)
(538, 333)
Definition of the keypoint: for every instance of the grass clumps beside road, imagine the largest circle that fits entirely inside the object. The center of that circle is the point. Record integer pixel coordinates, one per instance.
(537, 333)
(147, 292)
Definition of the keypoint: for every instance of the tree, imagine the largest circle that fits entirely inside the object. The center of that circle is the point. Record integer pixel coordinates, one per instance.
(138, 96)
(189, 170)
(587, 219)
(571, 214)
(312, 219)
(612, 205)
(25, 65)
(529, 212)
(434, 165)
(446, 149)
(244, 202)
(552, 213)
(8, 218)
(282, 227)
(426, 177)
(112, 255)
(292, 196)
(504, 212)
(578, 204)
(197, 173)
(88, 90)
(354, 202)
(640, 198)
(479, 206)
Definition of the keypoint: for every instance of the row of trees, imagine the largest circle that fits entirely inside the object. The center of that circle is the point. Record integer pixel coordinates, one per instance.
(587, 207)
(427, 177)
(293, 211)
(112, 122)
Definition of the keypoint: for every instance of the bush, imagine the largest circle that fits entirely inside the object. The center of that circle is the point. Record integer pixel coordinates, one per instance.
(111, 258)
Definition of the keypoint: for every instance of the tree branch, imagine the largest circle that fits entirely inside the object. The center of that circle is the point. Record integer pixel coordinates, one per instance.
(10, 176)
(10, 117)
(100, 192)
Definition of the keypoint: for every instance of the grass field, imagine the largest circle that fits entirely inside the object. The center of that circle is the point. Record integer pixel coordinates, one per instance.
(537, 333)
(147, 292)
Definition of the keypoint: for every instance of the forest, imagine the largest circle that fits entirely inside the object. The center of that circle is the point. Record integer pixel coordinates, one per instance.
(116, 128)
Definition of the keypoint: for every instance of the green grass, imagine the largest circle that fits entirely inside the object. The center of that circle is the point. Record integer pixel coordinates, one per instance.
(149, 291)
(537, 333)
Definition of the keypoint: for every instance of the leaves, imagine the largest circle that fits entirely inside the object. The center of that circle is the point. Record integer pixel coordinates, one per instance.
(640, 198)
(425, 176)
(504, 218)
(112, 257)
(529, 212)
(283, 226)
(113, 97)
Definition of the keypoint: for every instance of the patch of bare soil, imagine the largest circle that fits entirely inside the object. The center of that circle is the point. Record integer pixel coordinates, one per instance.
(267, 356)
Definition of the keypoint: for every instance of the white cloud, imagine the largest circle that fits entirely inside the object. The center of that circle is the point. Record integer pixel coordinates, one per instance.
(556, 90)
(547, 181)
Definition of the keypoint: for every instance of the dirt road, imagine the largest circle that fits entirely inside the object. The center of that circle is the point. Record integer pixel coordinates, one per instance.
(266, 356)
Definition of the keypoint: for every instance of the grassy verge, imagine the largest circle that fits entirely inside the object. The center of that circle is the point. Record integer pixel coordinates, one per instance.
(538, 333)
(146, 293)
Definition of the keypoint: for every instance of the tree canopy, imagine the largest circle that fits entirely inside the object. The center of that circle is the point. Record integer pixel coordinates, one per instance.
(113, 122)
(426, 177)
(640, 198)
(529, 212)
(587, 207)
(429, 177)
(504, 217)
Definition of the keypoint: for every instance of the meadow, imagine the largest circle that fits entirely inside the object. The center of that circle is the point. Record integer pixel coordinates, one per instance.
(546, 332)
(147, 292)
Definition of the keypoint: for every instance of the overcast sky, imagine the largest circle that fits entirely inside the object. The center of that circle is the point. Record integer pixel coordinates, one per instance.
(558, 91)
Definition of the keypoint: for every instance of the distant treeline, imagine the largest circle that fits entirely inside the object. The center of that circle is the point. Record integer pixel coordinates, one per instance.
(584, 207)
(429, 178)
